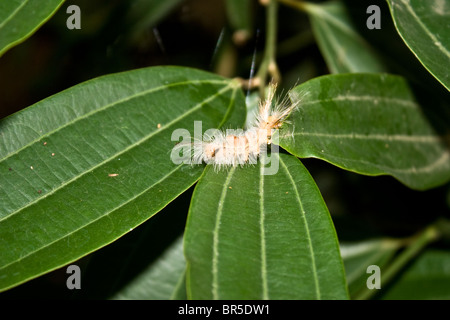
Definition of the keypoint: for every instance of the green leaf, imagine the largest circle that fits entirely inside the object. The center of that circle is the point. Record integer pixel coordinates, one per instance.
(240, 16)
(423, 25)
(428, 277)
(145, 14)
(359, 256)
(83, 167)
(343, 48)
(161, 279)
(256, 236)
(369, 124)
(19, 19)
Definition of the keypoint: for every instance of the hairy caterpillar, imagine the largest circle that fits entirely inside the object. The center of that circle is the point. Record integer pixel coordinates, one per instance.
(234, 147)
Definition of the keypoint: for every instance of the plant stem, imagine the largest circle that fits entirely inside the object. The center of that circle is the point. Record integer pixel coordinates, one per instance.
(418, 242)
(268, 64)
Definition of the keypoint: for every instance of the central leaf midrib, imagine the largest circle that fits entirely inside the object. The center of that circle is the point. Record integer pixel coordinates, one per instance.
(265, 288)
(430, 34)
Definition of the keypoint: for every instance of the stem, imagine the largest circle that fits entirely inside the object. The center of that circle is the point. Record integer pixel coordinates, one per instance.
(300, 5)
(268, 64)
(418, 242)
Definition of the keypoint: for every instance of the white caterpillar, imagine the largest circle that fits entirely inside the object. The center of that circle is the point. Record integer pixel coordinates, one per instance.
(238, 148)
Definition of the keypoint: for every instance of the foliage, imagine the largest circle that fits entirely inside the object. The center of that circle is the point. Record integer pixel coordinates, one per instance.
(82, 168)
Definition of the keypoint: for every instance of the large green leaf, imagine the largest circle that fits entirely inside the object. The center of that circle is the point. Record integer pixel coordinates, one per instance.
(369, 124)
(256, 236)
(19, 19)
(423, 25)
(343, 48)
(83, 167)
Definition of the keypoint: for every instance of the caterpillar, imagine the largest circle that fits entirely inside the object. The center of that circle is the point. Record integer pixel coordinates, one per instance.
(240, 147)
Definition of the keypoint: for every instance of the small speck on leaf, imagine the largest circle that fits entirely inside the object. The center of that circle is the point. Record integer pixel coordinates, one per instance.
(113, 174)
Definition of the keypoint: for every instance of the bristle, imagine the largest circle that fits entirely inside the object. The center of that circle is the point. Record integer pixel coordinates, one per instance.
(233, 148)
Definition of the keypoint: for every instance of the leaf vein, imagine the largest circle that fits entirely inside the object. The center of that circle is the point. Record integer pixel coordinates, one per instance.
(435, 40)
(105, 215)
(14, 13)
(265, 289)
(381, 137)
(215, 257)
(128, 98)
(135, 144)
